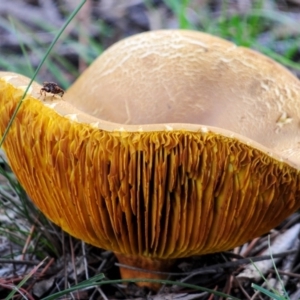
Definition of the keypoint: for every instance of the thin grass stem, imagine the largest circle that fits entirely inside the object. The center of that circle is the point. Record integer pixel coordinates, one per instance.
(70, 18)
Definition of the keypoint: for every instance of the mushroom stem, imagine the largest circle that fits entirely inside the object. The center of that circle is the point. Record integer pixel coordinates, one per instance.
(141, 267)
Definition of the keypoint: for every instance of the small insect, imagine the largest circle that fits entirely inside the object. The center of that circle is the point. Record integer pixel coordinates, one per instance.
(52, 88)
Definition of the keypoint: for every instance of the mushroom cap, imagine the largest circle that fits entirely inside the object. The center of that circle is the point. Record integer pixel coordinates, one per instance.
(172, 143)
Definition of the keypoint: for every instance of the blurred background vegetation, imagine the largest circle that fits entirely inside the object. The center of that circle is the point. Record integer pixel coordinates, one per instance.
(27, 28)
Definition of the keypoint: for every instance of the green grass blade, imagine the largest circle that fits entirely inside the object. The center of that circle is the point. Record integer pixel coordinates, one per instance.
(267, 292)
(275, 268)
(179, 9)
(170, 282)
(23, 49)
(279, 58)
(94, 281)
(97, 280)
(22, 282)
(39, 67)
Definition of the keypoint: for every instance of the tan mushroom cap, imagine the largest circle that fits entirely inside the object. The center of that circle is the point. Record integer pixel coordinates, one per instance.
(172, 143)
(195, 78)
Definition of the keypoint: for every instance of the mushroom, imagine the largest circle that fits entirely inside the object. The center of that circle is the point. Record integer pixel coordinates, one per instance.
(171, 144)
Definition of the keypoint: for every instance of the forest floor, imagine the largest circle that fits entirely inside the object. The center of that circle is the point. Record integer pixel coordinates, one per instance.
(27, 27)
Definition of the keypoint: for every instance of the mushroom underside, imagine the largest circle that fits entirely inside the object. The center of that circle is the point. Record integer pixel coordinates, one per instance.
(222, 166)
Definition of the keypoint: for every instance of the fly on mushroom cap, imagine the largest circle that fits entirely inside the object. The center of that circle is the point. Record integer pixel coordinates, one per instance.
(53, 88)
(173, 143)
